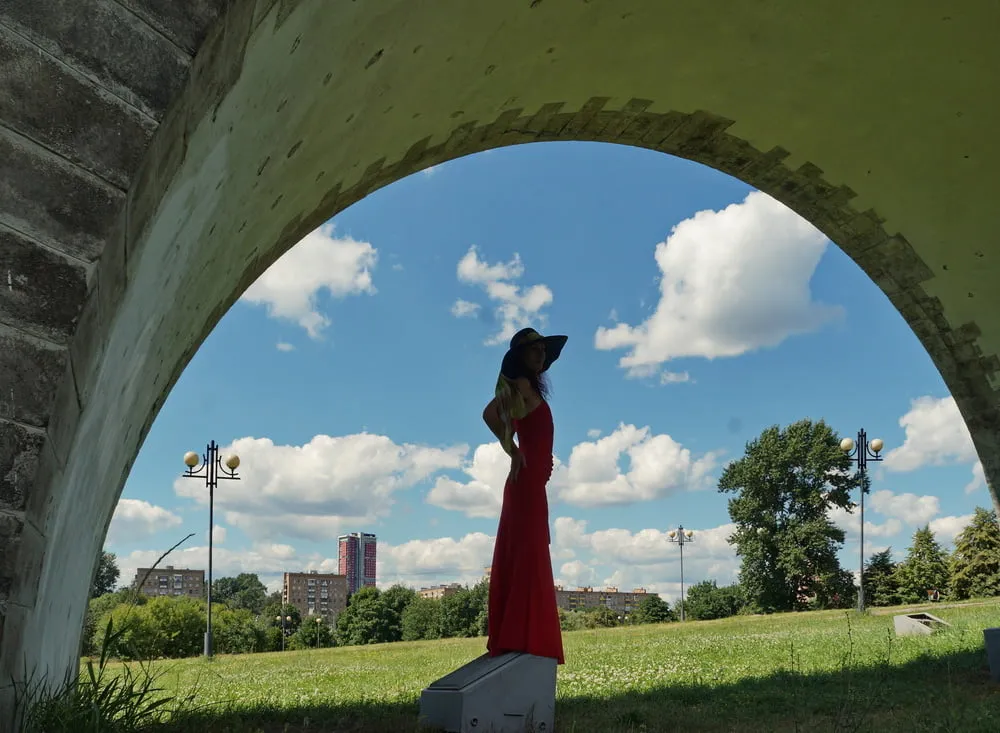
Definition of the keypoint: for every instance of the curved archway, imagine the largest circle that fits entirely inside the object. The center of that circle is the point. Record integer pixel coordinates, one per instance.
(295, 110)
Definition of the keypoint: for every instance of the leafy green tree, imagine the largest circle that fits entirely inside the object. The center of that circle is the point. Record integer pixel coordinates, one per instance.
(179, 623)
(785, 484)
(460, 614)
(706, 600)
(880, 580)
(135, 634)
(237, 632)
(106, 576)
(314, 633)
(600, 617)
(925, 567)
(243, 591)
(653, 610)
(479, 599)
(98, 610)
(422, 620)
(975, 564)
(365, 620)
(395, 601)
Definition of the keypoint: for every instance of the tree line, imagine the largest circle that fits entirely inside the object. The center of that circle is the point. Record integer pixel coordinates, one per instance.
(782, 492)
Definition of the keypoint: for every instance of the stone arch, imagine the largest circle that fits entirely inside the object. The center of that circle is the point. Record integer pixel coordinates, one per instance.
(293, 110)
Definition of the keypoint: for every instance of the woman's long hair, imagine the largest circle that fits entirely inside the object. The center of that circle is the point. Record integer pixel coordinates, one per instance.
(513, 368)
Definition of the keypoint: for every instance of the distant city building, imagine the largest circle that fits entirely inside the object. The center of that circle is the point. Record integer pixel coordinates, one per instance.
(586, 597)
(357, 559)
(439, 591)
(170, 581)
(316, 594)
(487, 571)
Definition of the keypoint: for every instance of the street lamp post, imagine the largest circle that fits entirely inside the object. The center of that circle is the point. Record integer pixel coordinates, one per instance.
(282, 619)
(861, 452)
(211, 469)
(681, 537)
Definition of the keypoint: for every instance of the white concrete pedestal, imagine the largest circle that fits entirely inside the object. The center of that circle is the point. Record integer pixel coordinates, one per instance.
(511, 693)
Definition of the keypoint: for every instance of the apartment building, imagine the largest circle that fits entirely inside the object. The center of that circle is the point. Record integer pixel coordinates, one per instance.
(356, 559)
(316, 594)
(586, 597)
(438, 592)
(170, 581)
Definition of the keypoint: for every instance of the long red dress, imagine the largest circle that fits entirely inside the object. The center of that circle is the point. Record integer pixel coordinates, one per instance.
(523, 616)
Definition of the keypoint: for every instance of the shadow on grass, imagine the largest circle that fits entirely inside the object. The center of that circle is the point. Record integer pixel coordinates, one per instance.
(941, 693)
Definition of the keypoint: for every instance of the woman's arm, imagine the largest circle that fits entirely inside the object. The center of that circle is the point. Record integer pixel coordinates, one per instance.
(491, 416)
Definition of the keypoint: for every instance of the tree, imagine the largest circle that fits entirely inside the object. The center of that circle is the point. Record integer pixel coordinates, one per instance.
(706, 600)
(314, 633)
(395, 600)
(365, 620)
(243, 591)
(925, 567)
(421, 620)
(975, 564)
(653, 610)
(880, 580)
(237, 632)
(460, 614)
(106, 577)
(785, 484)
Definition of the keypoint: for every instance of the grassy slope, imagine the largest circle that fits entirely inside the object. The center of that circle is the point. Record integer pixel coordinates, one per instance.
(823, 671)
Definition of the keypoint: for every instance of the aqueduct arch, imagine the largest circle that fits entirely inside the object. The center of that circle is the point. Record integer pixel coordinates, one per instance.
(140, 192)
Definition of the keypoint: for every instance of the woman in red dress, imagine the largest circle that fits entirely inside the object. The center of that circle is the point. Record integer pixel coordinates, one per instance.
(522, 615)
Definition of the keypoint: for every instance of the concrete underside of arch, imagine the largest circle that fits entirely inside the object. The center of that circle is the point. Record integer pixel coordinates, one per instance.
(141, 192)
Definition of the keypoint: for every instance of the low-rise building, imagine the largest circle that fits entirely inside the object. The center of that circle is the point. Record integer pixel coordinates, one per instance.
(439, 591)
(170, 581)
(582, 598)
(315, 593)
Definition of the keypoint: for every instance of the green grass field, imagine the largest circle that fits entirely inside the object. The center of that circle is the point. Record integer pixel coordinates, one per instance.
(823, 671)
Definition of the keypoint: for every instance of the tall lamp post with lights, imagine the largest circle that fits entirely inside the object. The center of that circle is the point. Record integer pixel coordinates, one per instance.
(283, 618)
(681, 537)
(861, 452)
(211, 468)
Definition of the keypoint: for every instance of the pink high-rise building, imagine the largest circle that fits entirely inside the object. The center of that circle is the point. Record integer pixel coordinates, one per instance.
(357, 559)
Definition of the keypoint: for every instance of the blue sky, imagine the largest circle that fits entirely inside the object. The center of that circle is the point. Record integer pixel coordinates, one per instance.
(351, 377)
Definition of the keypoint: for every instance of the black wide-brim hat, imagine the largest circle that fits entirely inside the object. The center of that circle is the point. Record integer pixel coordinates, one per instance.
(553, 348)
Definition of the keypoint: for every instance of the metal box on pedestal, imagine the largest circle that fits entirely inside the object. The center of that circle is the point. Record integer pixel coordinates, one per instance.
(510, 693)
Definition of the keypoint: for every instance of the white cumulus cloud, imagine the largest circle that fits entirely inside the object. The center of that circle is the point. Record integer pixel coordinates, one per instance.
(515, 307)
(657, 467)
(936, 435)
(135, 520)
(321, 261)
(733, 281)
(311, 490)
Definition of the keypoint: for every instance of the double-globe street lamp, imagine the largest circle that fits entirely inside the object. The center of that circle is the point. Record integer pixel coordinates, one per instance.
(681, 537)
(211, 468)
(282, 619)
(861, 452)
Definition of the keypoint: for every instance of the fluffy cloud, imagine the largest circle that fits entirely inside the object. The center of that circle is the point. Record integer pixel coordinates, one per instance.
(428, 562)
(947, 528)
(644, 558)
(935, 435)
(912, 509)
(657, 467)
(290, 287)
(135, 520)
(310, 490)
(515, 307)
(732, 281)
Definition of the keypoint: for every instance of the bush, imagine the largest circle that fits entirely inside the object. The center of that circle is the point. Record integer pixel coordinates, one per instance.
(237, 632)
